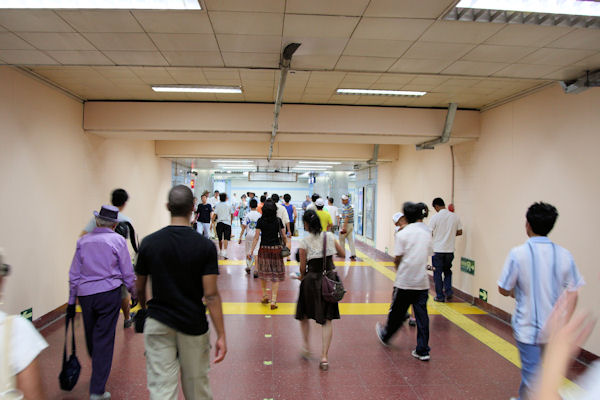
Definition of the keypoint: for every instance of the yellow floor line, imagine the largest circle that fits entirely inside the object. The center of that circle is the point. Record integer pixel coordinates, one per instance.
(242, 263)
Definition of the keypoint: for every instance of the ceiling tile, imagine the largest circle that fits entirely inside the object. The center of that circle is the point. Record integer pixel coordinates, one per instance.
(249, 43)
(33, 21)
(526, 71)
(296, 79)
(194, 58)
(187, 75)
(493, 53)
(391, 28)
(121, 41)
(559, 57)
(222, 74)
(376, 47)
(420, 65)
(437, 51)
(255, 60)
(329, 7)
(395, 78)
(333, 78)
(161, 21)
(579, 39)
(136, 57)
(101, 20)
(242, 23)
(473, 68)
(314, 62)
(407, 8)
(321, 91)
(353, 63)
(592, 62)
(10, 41)
(57, 41)
(257, 75)
(116, 73)
(460, 32)
(80, 57)
(429, 80)
(268, 6)
(319, 26)
(153, 75)
(26, 57)
(527, 35)
(184, 41)
(566, 74)
(311, 46)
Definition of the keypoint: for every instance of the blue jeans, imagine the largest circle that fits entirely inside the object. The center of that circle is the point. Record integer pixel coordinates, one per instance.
(442, 264)
(531, 355)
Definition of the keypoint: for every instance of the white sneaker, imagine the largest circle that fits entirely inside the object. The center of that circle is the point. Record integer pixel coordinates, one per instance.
(224, 254)
(425, 357)
(104, 396)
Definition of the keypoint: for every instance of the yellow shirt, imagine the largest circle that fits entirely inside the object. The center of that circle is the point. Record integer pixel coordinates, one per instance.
(325, 219)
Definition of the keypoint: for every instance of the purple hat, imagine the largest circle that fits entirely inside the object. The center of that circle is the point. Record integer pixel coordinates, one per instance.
(108, 213)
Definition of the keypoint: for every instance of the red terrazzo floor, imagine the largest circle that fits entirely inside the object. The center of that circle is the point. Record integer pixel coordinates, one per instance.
(461, 367)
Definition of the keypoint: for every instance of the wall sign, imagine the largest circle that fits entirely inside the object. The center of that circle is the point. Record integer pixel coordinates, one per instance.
(28, 314)
(483, 295)
(467, 265)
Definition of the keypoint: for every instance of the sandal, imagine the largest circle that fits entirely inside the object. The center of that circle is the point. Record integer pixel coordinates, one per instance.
(305, 354)
(274, 306)
(265, 300)
(324, 366)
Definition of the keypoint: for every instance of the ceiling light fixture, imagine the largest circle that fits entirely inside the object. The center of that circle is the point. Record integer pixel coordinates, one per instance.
(320, 162)
(104, 4)
(565, 7)
(378, 92)
(237, 167)
(196, 89)
(309, 169)
(231, 161)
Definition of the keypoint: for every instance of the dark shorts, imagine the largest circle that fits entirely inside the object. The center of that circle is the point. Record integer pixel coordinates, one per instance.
(223, 231)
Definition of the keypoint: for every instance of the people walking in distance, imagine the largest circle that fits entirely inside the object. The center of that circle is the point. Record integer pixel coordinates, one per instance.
(333, 211)
(249, 227)
(282, 213)
(183, 267)
(399, 223)
(347, 226)
(306, 203)
(291, 211)
(263, 198)
(214, 200)
(312, 205)
(446, 226)
(205, 214)
(324, 216)
(223, 216)
(243, 209)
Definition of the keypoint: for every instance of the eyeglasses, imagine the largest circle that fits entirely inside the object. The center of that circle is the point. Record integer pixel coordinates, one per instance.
(4, 269)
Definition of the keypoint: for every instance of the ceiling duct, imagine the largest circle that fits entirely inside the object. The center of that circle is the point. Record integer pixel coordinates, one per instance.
(430, 145)
(286, 60)
(590, 79)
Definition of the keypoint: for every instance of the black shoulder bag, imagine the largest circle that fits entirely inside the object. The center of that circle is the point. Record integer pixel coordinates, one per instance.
(285, 251)
(331, 285)
(70, 367)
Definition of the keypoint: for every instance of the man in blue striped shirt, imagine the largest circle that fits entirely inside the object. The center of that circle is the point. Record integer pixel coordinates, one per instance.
(536, 274)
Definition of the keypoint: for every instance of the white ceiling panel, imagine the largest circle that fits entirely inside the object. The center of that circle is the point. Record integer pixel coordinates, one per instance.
(431, 9)
(526, 71)
(592, 62)
(394, 79)
(222, 74)
(194, 58)
(188, 75)
(136, 57)
(319, 26)
(121, 41)
(352, 78)
(391, 28)
(460, 32)
(527, 35)
(319, 78)
(329, 7)
(101, 20)
(438, 51)
(376, 48)
(153, 75)
(473, 68)
(579, 39)
(314, 62)
(494, 53)
(254, 60)
(80, 57)
(57, 41)
(242, 23)
(26, 57)
(326, 46)
(188, 21)
(33, 21)
(565, 74)
(420, 65)
(10, 41)
(353, 63)
(185, 41)
(267, 6)
(249, 43)
(257, 76)
(560, 57)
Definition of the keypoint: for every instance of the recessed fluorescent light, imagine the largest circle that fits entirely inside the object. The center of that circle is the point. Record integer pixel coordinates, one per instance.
(105, 4)
(197, 89)
(314, 166)
(377, 92)
(320, 162)
(569, 7)
(231, 161)
(237, 167)
(309, 169)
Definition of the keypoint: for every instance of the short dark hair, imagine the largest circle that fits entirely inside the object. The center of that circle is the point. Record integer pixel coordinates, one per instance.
(314, 197)
(275, 197)
(216, 191)
(181, 201)
(438, 201)
(269, 210)
(253, 203)
(311, 219)
(542, 217)
(223, 196)
(330, 199)
(119, 197)
(412, 212)
(287, 198)
(424, 209)
(263, 198)
(203, 195)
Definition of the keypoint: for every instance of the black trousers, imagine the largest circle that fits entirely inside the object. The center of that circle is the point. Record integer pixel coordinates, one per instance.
(401, 299)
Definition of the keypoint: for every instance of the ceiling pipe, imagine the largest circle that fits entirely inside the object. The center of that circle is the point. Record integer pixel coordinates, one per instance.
(286, 60)
(373, 160)
(429, 145)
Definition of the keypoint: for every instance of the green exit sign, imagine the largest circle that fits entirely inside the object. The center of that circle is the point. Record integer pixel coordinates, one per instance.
(483, 295)
(28, 314)
(467, 265)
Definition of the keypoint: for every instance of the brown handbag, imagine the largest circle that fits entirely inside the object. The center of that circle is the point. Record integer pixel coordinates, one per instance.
(331, 285)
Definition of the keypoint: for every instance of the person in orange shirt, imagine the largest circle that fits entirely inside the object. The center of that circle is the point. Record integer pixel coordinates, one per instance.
(263, 198)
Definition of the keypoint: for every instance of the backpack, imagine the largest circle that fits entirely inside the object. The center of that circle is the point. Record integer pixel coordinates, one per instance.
(125, 229)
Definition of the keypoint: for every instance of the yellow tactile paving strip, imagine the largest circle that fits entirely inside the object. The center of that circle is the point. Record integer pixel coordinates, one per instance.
(242, 263)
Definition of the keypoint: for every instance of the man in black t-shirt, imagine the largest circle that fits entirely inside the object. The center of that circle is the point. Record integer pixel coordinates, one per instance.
(204, 213)
(184, 269)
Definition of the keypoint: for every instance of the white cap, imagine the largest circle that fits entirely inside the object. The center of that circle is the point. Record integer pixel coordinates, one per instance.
(396, 217)
(319, 202)
(344, 197)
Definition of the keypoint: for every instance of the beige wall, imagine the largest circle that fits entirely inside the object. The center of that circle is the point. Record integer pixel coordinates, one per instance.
(542, 147)
(52, 175)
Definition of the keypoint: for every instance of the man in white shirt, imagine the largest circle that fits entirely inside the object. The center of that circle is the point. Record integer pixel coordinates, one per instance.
(249, 226)
(223, 215)
(445, 226)
(413, 246)
(312, 205)
(281, 212)
(333, 210)
(213, 201)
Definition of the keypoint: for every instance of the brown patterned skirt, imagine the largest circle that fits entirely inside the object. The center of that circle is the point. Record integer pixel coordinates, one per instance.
(270, 264)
